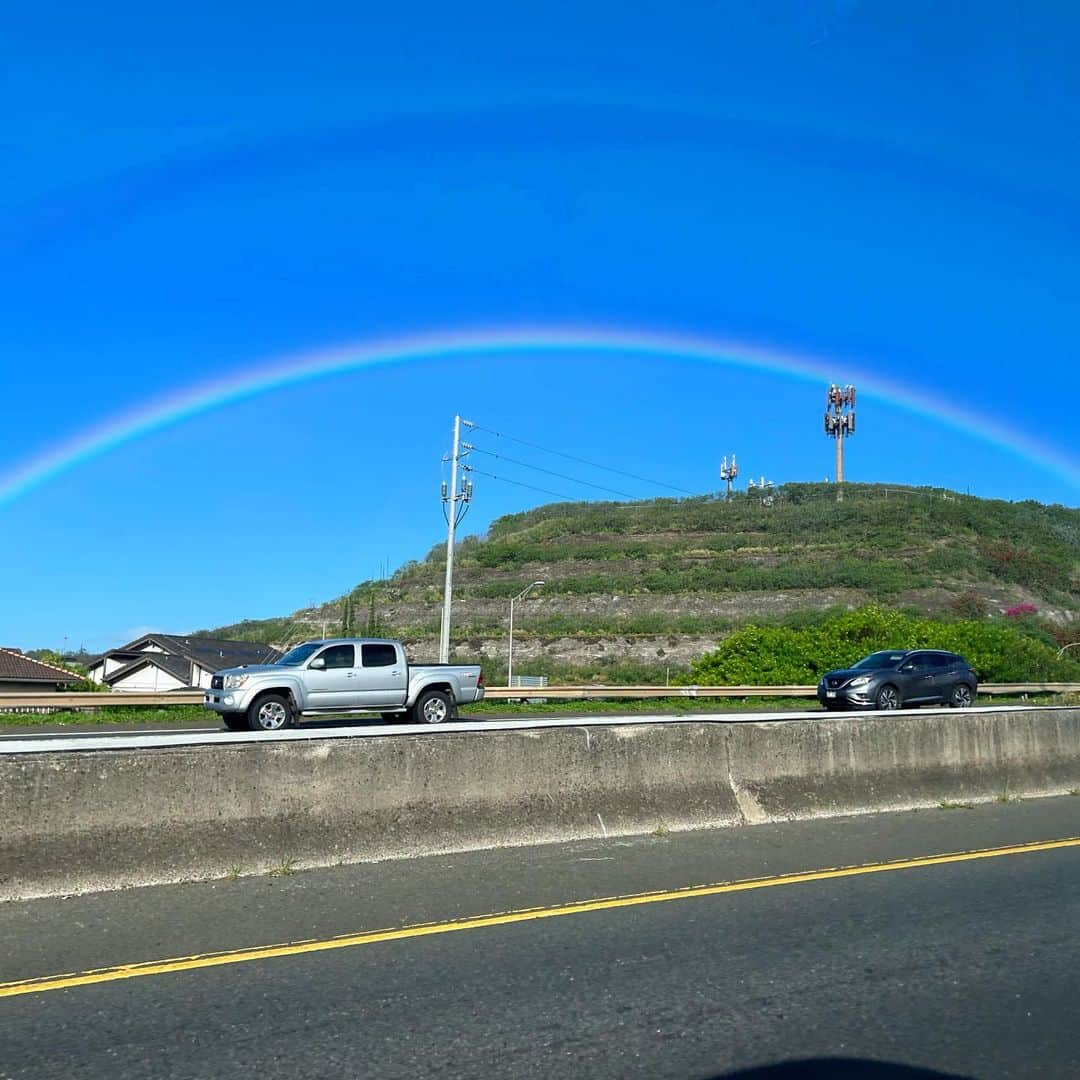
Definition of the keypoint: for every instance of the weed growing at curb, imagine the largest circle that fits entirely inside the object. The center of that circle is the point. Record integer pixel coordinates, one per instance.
(284, 868)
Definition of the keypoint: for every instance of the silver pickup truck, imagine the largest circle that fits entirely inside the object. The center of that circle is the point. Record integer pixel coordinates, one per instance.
(341, 675)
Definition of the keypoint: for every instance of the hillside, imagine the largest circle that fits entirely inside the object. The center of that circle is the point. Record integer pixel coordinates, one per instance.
(639, 590)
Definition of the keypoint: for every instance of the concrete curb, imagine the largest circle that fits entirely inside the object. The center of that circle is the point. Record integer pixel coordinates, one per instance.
(107, 819)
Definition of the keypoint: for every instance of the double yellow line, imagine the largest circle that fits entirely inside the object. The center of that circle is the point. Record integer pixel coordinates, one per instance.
(348, 941)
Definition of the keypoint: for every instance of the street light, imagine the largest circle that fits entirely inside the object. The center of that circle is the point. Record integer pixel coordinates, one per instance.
(510, 658)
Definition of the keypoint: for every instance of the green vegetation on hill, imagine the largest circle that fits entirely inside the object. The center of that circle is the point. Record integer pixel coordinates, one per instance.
(705, 566)
(781, 655)
(886, 539)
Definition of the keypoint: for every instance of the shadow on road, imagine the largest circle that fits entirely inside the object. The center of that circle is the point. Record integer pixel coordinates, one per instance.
(838, 1069)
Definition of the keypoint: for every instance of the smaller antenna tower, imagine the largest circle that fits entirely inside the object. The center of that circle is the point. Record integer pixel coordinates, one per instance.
(764, 489)
(729, 472)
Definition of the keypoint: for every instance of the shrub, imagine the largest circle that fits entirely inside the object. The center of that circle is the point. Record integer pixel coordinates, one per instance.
(969, 605)
(763, 656)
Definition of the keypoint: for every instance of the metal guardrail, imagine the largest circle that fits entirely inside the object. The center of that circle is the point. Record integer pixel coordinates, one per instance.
(505, 693)
(502, 693)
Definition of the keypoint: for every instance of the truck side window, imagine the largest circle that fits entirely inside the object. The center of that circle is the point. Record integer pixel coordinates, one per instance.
(378, 655)
(339, 656)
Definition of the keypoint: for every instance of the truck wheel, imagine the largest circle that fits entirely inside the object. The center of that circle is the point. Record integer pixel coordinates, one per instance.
(432, 707)
(270, 712)
(235, 721)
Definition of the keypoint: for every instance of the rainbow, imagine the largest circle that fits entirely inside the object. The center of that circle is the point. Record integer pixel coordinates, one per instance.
(293, 370)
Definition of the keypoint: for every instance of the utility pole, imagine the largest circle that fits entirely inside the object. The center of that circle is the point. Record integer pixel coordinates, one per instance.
(729, 472)
(839, 423)
(455, 503)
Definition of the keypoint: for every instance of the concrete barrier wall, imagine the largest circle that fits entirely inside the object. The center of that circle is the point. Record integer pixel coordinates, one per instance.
(105, 819)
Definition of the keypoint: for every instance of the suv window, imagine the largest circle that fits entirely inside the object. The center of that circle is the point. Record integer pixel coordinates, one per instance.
(378, 655)
(339, 656)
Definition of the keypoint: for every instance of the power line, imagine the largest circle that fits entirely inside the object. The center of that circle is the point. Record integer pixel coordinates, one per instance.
(551, 472)
(518, 483)
(581, 460)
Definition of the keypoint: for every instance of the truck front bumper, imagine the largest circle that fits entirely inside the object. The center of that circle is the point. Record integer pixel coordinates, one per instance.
(228, 701)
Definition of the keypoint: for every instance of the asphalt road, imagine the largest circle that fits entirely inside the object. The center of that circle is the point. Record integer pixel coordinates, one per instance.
(967, 966)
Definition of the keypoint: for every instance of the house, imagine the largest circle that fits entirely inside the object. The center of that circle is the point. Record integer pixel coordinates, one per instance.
(21, 674)
(158, 662)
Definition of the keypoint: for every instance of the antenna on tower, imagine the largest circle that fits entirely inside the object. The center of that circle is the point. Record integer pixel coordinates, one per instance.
(840, 424)
(729, 472)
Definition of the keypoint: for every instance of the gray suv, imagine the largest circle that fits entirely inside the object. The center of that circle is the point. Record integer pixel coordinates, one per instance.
(895, 678)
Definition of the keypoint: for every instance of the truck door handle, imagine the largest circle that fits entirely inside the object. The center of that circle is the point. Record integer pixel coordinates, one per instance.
(395, 672)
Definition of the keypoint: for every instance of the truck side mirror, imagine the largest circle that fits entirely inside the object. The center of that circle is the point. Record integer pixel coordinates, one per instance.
(318, 663)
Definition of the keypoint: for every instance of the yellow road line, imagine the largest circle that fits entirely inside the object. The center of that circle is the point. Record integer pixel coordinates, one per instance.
(348, 941)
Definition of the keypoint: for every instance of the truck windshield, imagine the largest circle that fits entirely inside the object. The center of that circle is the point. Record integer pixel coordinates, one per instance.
(295, 657)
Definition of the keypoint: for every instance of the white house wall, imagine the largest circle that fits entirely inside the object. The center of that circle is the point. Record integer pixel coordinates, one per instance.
(148, 679)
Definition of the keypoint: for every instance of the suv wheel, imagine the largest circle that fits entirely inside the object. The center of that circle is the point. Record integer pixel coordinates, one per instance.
(271, 712)
(961, 696)
(888, 697)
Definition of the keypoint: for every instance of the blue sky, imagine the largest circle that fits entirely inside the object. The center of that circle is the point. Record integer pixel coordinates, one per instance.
(890, 189)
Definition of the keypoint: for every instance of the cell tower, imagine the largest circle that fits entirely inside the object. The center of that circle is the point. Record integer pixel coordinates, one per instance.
(840, 423)
(729, 472)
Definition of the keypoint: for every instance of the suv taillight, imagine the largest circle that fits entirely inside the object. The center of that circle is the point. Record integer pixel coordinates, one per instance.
(480, 679)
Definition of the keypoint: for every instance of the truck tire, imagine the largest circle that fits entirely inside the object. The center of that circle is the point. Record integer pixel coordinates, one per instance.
(270, 712)
(235, 721)
(432, 707)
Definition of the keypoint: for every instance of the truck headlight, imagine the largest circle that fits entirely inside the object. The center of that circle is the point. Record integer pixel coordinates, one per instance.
(862, 680)
(234, 682)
